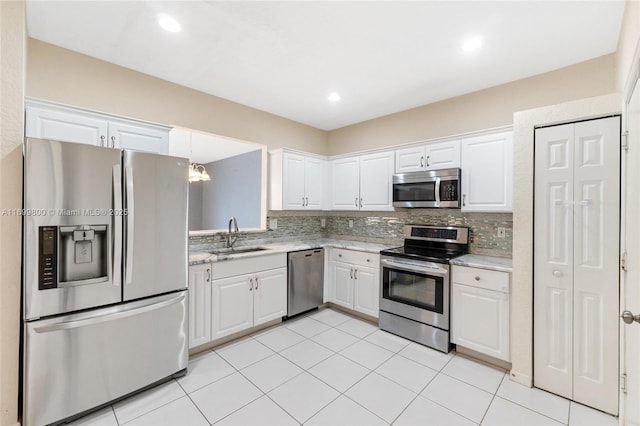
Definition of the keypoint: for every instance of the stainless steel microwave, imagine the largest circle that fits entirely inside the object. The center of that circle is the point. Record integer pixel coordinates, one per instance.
(429, 189)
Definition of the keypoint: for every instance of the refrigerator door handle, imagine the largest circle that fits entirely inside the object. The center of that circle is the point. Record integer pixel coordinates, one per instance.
(117, 225)
(83, 320)
(128, 266)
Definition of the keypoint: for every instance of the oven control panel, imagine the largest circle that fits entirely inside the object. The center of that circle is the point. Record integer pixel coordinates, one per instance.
(443, 234)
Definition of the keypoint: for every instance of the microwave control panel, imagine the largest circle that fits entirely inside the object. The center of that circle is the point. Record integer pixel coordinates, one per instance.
(449, 191)
(48, 257)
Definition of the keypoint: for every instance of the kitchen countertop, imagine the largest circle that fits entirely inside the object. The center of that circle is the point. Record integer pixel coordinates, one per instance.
(503, 264)
(204, 257)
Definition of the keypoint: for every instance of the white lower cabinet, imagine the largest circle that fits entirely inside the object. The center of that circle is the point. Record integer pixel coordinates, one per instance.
(354, 280)
(480, 310)
(199, 304)
(230, 296)
(255, 296)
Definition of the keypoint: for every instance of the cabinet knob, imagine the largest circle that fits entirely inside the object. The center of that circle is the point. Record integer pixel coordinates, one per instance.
(113, 141)
(339, 254)
(102, 138)
(557, 273)
(477, 278)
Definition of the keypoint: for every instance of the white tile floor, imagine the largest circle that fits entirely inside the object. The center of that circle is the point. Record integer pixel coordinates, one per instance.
(328, 368)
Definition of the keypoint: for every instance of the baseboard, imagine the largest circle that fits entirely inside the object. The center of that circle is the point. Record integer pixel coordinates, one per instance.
(523, 379)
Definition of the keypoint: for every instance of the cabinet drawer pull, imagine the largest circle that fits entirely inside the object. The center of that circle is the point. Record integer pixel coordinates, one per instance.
(421, 161)
(428, 161)
(355, 274)
(251, 284)
(102, 142)
(113, 141)
(257, 282)
(356, 201)
(351, 273)
(208, 274)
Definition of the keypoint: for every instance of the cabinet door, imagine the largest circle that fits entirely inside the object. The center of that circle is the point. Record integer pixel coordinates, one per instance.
(314, 183)
(487, 173)
(345, 183)
(341, 288)
(366, 290)
(442, 155)
(138, 137)
(480, 320)
(65, 126)
(376, 175)
(410, 159)
(269, 295)
(199, 304)
(293, 181)
(232, 305)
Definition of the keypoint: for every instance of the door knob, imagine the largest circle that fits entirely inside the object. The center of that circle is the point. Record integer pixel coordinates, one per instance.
(628, 317)
(557, 273)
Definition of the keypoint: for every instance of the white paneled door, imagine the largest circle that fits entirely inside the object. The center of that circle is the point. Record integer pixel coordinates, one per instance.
(576, 261)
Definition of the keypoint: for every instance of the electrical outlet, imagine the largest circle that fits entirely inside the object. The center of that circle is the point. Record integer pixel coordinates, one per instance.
(273, 223)
(323, 223)
(502, 232)
(350, 223)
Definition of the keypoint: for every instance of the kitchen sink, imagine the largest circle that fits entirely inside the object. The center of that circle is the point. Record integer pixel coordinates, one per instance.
(231, 250)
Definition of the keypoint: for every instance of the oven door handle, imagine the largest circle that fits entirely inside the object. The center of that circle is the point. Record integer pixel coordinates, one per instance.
(403, 266)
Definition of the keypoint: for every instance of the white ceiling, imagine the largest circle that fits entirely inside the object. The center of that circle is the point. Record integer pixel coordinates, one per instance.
(286, 57)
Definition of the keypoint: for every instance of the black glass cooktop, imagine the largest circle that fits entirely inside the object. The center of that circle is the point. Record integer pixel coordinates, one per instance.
(423, 253)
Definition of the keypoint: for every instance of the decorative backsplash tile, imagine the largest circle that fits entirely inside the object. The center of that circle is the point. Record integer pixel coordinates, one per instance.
(375, 227)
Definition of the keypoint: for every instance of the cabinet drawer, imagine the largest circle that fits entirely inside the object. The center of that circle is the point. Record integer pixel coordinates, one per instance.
(359, 258)
(481, 278)
(248, 265)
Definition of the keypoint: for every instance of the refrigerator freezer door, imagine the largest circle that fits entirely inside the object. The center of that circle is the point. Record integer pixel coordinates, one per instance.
(156, 193)
(68, 188)
(78, 362)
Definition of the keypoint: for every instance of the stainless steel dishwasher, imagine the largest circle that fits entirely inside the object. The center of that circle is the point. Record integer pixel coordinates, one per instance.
(306, 280)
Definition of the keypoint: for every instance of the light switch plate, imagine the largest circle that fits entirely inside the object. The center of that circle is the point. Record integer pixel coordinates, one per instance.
(502, 232)
(273, 223)
(350, 223)
(323, 223)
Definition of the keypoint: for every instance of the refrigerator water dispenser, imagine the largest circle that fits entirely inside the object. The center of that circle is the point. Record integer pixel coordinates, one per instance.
(83, 256)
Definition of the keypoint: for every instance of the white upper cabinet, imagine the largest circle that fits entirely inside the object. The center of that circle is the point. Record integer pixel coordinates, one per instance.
(61, 123)
(65, 126)
(487, 172)
(432, 156)
(138, 137)
(296, 181)
(363, 182)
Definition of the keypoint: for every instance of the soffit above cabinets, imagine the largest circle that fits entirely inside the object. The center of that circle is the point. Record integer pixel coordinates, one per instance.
(287, 57)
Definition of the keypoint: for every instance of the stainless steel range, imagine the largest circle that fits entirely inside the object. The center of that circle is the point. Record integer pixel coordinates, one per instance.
(415, 283)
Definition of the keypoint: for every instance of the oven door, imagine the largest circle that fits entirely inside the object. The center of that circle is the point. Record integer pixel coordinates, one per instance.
(415, 290)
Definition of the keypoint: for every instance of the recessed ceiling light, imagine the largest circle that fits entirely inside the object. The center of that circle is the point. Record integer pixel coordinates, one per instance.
(334, 97)
(472, 44)
(168, 23)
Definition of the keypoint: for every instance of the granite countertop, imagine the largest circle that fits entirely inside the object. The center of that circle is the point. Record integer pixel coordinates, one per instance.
(502, 264)
(273, 248)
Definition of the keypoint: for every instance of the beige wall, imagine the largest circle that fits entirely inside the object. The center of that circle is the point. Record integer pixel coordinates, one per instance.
(489, 108)
(60, 75)
(12, 57)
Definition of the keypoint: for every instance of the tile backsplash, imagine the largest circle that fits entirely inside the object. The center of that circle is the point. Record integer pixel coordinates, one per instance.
(376, 227)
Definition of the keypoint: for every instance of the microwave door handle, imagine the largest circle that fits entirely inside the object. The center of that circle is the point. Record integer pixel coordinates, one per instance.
(117, 225)
(437, 194)
(439, 272)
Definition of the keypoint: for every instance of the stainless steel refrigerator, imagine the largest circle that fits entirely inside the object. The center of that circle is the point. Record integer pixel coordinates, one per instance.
(104, 275)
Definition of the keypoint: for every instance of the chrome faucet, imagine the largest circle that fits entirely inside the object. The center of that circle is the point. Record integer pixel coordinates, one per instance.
(231, 241)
